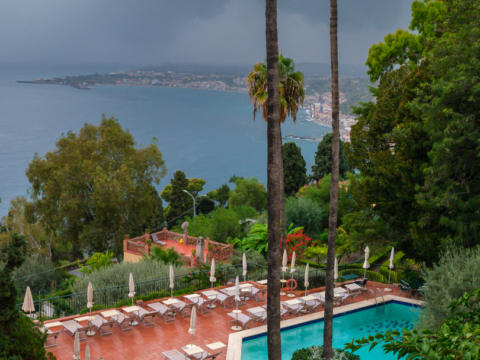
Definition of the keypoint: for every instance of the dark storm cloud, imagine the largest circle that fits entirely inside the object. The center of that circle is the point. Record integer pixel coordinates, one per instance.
(209, 31)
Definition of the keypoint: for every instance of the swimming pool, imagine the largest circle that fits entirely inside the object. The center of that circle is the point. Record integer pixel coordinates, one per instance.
(352, 325)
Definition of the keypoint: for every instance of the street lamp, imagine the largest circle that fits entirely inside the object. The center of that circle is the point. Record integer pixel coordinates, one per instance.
(194, 200)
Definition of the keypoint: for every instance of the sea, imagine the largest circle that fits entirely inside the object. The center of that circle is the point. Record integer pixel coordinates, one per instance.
(207, 134)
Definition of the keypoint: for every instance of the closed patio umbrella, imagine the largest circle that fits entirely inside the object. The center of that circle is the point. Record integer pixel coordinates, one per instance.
(90, 305)
(212, 272)
(172, 280)
(131, 287)
(237, 299)
(244, 265)
(292, 270)
(335, 271)
(366, 265)
(76, 347)
(307, 269)
(193, 324)
(87, 352)
(28, 302)
(391, 266)
(284, 269)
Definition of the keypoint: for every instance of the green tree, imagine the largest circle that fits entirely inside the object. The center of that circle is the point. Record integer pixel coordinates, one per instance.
(179, 202)
(19, 338)
(323, 159)
(294, 168)
(94, 184)
(307, 213)
(167, 256)
(248, 192)
(220, 195)
(97, 262)
(153, 222)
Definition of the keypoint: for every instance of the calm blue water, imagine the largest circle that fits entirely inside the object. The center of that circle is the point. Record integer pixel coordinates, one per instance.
(206, 134)
(345, 328)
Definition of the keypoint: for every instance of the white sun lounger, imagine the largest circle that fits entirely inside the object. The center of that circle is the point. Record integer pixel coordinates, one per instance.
(164, 311)
(73, 327)
(145, 314)
(100, 323)
(244, 319)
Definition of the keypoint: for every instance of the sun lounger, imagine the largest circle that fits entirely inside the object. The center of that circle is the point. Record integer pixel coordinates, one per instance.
(50, 335)
(203, 304)
(74, 327)
(257, 293)
(319, 297)
(354, 289)
(124, 320)
(184, 308)
(244, 319)
(223, 298)
(282, 313)
(144, 315)
(100, 323)
(156, 241)
(164, 311)
(345, 298)
(206, 355)
(297, 309)
(176, 355)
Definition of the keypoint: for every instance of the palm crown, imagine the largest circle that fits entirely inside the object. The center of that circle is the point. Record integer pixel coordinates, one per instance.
(292, 92)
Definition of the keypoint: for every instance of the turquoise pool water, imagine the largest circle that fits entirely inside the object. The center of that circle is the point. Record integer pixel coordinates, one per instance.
(353, 325)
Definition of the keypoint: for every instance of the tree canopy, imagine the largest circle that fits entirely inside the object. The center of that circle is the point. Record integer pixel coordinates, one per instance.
(94, 184)
(294, 168)
(323, 159)
(248, 192)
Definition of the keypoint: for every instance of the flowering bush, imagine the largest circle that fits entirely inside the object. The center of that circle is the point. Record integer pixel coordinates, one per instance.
(297, 242)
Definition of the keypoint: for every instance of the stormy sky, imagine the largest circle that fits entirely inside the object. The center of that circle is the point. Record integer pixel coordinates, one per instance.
(151, 32)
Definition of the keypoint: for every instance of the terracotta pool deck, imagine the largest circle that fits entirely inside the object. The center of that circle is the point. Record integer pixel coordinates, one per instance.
(149, 342)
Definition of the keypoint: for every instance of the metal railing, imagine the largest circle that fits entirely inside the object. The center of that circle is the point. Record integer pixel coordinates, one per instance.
(60, 306)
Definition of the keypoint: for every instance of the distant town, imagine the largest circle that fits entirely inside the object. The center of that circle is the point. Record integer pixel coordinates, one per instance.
(318, 101)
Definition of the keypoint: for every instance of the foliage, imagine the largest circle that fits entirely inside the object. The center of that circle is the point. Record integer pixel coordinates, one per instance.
(316, 353)
(95, 183)
(22, 221)
(257, 238)
(297, 241)
(294, 168)
(317, 253)
(97, 262)
(44, 275)
(164, 255)
(200, 275)
(456, 337)
(220, 195)
(320, 193)
(179, 202)
(458, 271)
(119, 274)
(19, 338)
(153, 222)
(248, 192)
(291, 82)
(306, 213)
(252, 257)
(323, 159)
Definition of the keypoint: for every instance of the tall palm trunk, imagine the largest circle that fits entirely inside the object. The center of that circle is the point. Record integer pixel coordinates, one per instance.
(282, 199)
(332, 221)
(274, 170)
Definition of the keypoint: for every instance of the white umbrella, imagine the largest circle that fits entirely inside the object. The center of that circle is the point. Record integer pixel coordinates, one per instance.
(237, 299)
(366, 265)
(292, 270)
(391, 266)
(131, 287)
(172, 281)
(307, 269)
(28, 302)
(90, 305)
(193, 323)
(87, 352)
(212, 273)
(76, 347)
(335, 271)
(284, 269)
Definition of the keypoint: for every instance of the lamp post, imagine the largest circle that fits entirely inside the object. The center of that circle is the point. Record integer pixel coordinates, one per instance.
(194, 200)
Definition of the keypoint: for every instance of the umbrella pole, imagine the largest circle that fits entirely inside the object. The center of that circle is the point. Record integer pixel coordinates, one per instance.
(171, 293)
(291, 290)
(388, 288)
(365, 274)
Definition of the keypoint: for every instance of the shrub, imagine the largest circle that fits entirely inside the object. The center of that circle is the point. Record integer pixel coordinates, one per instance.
(371, 275)
(457, 272)
(98, 261)
(316, 353)
(47, 278)
(252, 257)
(306, 213)
(119, 274)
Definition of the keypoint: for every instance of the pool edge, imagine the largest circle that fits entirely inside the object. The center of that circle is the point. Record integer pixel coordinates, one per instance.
(235, 340)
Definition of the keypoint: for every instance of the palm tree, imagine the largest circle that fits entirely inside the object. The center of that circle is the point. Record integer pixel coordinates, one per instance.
(292, 94)
(332, 221)
(168, 256)
(274, 175)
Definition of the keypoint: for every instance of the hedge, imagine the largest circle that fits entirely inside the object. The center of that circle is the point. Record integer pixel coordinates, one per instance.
(371, 275)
